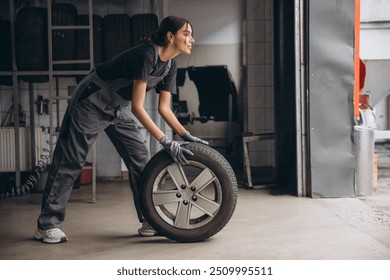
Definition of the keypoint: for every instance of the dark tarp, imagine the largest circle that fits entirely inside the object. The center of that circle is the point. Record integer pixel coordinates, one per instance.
(331, 87)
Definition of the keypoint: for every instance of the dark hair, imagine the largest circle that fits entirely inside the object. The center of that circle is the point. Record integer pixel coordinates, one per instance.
(168, 24)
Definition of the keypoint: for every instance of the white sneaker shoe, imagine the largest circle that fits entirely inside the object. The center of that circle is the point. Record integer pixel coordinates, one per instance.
(52, 235)
(146, 230)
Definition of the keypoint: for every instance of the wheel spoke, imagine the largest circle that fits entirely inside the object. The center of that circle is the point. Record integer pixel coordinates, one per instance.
(165, 197)
(183, 216)
(206, 205)
(177, 174)
(203, 179)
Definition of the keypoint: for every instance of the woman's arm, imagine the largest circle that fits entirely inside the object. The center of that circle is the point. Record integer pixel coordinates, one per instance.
(164, 108)
(138, 98)
(174, 148)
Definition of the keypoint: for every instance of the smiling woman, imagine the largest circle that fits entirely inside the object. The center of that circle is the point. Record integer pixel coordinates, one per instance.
(100, 103)
(179, 31)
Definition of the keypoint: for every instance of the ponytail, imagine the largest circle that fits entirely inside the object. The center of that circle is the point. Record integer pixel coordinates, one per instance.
(158, 38)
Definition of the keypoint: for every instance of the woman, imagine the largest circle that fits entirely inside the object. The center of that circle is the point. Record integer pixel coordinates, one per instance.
(100, 103)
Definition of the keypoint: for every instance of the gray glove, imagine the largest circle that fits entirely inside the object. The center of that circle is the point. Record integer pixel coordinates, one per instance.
(175, 150)
(188, 137)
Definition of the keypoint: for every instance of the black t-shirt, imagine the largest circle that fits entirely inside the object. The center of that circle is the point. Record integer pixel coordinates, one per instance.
(138, 62)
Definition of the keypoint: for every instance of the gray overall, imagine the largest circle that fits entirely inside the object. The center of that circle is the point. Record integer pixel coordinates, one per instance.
(95, 106)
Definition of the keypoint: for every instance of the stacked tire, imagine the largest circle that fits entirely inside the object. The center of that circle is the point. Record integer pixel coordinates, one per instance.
(142, 26)
(116, 34)
(31, 42)
(82, 42)
(112, 34)
(5, 52)
(64, 47)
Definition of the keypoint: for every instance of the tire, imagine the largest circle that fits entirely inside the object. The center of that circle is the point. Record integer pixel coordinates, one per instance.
(64, 46)
(142, 27)
(31, 42)
(82, 42)
(116, 34)
(183, 208)
(5, 52)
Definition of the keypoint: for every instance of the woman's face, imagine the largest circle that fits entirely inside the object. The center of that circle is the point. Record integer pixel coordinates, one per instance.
(183, 39)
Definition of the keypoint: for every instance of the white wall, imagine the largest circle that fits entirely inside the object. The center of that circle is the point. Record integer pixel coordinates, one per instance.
(375, 41)
(217, 28)
(215, 21)
(375, 29)
(375, 51)
(374, 10)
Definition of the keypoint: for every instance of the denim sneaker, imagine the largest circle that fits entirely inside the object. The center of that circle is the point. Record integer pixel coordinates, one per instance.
(52, 235)
(146, 230)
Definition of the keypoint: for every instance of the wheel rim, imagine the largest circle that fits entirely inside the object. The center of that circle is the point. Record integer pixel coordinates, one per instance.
(187, 197)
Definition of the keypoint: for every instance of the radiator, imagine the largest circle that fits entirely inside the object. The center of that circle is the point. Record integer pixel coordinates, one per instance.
(7, 148)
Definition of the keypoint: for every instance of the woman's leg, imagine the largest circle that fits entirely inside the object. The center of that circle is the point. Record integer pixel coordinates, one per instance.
(131, 146)
(79, 129)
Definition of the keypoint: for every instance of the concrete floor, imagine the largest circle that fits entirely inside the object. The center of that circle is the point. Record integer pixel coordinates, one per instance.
(265, 225)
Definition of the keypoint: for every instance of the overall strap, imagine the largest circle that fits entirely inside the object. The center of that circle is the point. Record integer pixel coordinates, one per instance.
(166, 71)
(167, 68)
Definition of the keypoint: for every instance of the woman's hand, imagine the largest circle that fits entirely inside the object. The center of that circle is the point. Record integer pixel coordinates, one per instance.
(175, 150)
(188, 137)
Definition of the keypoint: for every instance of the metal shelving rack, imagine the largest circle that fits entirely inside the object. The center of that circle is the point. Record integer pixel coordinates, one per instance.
(51, 73)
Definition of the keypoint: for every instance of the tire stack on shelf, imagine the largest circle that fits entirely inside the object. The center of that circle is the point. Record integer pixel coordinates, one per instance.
(112, 34)
(120, 31)
(31, 39)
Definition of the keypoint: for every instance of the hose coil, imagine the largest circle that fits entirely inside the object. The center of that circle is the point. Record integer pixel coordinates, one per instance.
(32, 179)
